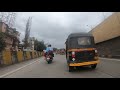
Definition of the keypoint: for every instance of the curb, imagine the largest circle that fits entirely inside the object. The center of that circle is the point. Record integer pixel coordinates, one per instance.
(113, 59)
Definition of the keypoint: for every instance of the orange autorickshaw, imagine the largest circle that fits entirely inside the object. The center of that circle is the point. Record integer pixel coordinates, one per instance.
(81, 51)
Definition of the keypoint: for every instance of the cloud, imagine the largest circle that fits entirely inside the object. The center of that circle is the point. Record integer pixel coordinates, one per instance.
(54, 27)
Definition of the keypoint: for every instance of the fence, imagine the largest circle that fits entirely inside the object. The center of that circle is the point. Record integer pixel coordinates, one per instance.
(8, 57)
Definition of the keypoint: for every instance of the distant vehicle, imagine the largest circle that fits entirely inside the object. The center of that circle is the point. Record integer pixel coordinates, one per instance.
(81, 51)
(62, 52)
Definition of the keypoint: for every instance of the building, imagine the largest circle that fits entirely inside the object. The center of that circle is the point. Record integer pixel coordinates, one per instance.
(107, 36)
(20, 47)
(30, 46)
(12, 37)
(31, 41)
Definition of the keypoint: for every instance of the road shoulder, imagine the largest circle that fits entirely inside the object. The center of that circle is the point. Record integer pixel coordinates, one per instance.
(111, 59)
(15, 67)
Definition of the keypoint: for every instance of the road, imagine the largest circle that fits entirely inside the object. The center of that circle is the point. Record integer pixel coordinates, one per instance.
(38, 68)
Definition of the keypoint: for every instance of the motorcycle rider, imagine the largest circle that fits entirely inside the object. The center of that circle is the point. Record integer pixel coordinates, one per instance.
(49, 49)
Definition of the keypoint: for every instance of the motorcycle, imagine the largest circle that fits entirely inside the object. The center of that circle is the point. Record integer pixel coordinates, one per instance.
(49, 58)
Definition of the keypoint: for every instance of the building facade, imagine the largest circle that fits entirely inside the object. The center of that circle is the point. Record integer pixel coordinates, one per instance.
(107, 36)
(12, 37)
(31, 41)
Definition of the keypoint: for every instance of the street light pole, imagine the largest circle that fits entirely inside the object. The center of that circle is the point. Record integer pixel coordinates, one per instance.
(90, 27)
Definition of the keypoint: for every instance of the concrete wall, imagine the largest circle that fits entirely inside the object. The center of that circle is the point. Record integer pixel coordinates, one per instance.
(107, 36)
(108, 29)
(20, 56)
(109, 48)
(9, 58)
(9, 39)
(9, 42)
(3, 27)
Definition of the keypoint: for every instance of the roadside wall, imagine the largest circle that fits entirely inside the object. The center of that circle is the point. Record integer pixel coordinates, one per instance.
(8, 57)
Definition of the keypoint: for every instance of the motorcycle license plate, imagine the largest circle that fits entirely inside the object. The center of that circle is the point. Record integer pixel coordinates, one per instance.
(48, 58)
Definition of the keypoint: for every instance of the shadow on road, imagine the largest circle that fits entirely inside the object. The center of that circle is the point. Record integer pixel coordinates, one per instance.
(45, 62)
(83, 69)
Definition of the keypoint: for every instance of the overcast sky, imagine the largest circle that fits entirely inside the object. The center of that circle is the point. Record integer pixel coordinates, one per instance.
(54, 27)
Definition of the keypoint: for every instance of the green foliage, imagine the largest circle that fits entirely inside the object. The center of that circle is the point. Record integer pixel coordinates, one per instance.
(39, 45)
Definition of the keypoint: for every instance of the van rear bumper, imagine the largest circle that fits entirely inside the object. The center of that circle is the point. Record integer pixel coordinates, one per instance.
(84, 63)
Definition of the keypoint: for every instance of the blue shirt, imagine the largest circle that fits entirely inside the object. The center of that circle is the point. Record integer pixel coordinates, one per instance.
(49, 49)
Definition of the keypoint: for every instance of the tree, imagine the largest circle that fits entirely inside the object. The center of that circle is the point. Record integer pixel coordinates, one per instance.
(39, 45)
(2, 42)
(8, 18)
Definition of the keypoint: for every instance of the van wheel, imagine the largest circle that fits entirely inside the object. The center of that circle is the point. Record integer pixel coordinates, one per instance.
(71, 68)
(93, 66)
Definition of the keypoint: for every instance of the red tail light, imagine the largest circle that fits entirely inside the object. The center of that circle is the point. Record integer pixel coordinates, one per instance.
(73, 54)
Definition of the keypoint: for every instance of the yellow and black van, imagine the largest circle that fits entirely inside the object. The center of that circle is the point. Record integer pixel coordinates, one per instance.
(81, 51)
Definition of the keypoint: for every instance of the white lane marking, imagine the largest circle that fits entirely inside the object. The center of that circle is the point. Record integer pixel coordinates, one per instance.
(111, 59)
(17, 69)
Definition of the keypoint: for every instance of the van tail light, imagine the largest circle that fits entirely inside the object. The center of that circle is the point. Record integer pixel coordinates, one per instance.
(96, 51)
(73, 54)
(96, 55)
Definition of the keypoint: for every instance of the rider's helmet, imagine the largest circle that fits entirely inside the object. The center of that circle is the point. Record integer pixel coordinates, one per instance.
(49, 45)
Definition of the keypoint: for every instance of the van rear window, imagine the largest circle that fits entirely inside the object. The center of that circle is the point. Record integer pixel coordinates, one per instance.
(84, 41)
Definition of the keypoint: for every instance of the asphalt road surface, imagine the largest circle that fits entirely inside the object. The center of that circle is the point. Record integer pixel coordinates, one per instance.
(38, 68)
